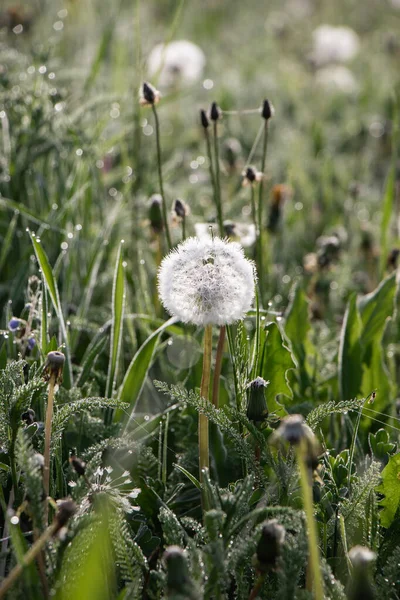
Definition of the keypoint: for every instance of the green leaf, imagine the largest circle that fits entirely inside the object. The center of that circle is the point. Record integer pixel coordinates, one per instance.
(390, 488)
(275, 362)
(135, 376)
(375, 308)
(390, 190)
(118, 304)
(297, 324)
(350, 352)
(55, 299)
(94, 349)
(191, 477)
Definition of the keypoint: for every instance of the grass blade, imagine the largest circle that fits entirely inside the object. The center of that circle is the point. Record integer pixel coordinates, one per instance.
(118, 304)
(55, 299)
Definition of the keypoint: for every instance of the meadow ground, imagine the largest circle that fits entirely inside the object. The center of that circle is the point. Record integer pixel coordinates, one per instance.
(273, 125)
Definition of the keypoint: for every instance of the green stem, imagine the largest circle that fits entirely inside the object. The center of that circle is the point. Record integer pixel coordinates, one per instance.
(47, 442)
(253, 206)
(313, 547)
(218, 199)
(32, 553)
(218, 366)
(257, 587)
(160, 179)
(204, 462)
(260, 212)
(183, 228)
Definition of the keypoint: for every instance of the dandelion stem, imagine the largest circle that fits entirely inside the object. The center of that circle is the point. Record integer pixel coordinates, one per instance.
(218, 199)
(253, 207)
(218, 365)
(213, 179)
(32, 553)
(183, 228)
(47, 441)
(160, 178)
(257, 587)
(313, 549)
(204, 393)
(260, 212)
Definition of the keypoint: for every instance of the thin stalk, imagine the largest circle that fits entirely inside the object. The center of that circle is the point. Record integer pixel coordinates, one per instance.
(218, 365)
(204, 462)
(160, 178)
(218, 199)
(213, 180)
(257, 587)
(165, 451)
(253, 206)
(313, 549)
(47, 441)
(183, 228)
(260, 212)
(353, 441)
(32, 553)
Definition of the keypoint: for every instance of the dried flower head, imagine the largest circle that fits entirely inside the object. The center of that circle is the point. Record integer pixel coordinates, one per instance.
(54, 366)
(293, 430)
(204, 119)
(251, 176)
(267, 110)
(244, 233)
(207, 282)
(180, 210)
(155, 213)
(77, 464)
(66, 509)
(269, 547)
(148, 95)
(215, 112)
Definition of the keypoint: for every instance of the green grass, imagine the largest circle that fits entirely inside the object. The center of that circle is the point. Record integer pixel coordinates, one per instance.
(78, 165)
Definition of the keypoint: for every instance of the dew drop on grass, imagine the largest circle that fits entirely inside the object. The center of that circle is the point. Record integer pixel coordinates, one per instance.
(146, 417)
(14, 520)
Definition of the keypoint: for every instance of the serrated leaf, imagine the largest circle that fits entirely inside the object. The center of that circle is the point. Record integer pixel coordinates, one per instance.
(390, 488)
(275, 363)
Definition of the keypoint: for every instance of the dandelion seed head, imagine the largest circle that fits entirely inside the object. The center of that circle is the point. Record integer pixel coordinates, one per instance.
(207, 282)
(361, 556)
(178, 63)
(334, 44)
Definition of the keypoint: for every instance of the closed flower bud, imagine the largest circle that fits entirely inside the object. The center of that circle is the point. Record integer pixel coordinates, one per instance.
(148, 95)
(215, 112)
(204, 119)
(269, 547)
(28, 417)
(54, 366)
(267, 110)
(155, 213)
(296, 432)
(257, 409)
(66, 509)
(77, 464)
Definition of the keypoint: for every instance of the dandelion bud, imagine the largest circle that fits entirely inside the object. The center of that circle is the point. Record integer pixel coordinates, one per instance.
(155, 213)
(215, 112)
(296, 432)
(178, 578)
(54, 366)
(267, 110)
(148, 95)
(361, 587)
(250, 176)
(13, 324)
(180, 209)
(28, 417)
(204, 119)
(66, 509)
(257, 409)
(206, 282)
(77, 464)
(269, 547)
